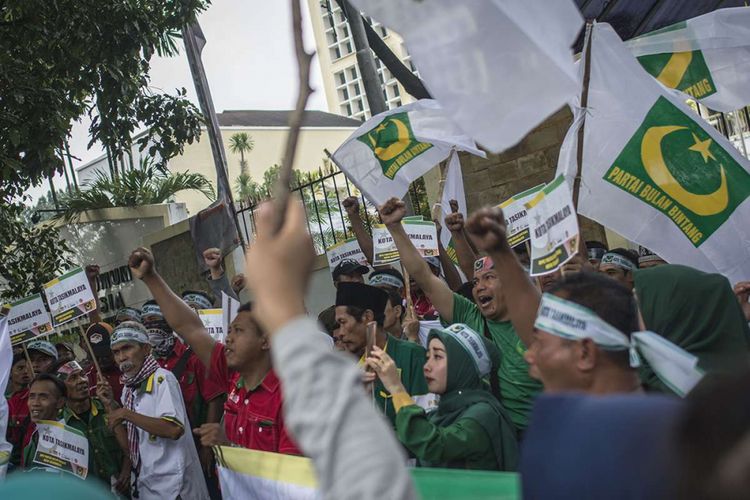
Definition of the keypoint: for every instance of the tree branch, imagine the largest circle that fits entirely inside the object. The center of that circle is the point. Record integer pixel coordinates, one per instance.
(295, 120)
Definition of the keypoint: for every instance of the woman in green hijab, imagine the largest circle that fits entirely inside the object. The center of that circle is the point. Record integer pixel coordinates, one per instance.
(469, 429)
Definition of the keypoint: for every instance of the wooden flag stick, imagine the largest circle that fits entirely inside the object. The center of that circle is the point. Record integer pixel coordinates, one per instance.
(281, 191)
(28, 360)
(407, 290)
(91, 351)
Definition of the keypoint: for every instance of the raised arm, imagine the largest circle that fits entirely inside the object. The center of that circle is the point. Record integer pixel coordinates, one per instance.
(351, 205)
(439, 293)
(217, 278)
(487, 228)
(466, 256)
(178, 314)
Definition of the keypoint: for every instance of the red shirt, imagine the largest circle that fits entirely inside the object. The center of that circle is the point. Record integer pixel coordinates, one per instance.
(18, 422)
(112, 376)
(252, 416)
(193, 381)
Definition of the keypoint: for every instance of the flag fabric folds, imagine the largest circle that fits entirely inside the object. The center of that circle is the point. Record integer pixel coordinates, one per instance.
(396, 147)
(654, 171)
(707, 57)
(453, 189)
(497, 68)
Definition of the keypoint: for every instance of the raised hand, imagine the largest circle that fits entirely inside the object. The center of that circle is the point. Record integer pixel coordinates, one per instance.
(742, 292)
(238, 283)
(392, 212)
(212, 258)
(487, 229)
(351, 205)
(141, 263)
(454, 222)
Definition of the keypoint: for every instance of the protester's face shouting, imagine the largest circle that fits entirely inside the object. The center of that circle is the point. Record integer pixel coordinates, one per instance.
(353, 333)
(77, 386)
(40, 361)
(45, 401)
(552, 361)
(130, 356)
(436, 367)
(245, 343)
(19, 374)
(491, 303)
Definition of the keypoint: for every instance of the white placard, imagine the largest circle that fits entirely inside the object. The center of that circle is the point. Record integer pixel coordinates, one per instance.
(517, 217)
(347, 249)
(422, 234)
(229, 309)
(553, 224)
(27, 319)
(69, 296)
(63, 448)
(213, 320)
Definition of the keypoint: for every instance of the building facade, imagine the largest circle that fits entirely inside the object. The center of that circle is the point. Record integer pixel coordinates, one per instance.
(342, 80)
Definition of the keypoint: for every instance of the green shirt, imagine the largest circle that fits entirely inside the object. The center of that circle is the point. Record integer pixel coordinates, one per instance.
(105, 454)
(517, 388)
(409, 359)
(464, 444)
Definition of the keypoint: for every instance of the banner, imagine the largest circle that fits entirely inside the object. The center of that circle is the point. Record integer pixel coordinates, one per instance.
(69, 297)
(497, 68)
(654, 171)
(553, 225)
(27, 319)
(347, 249)
(62, 447)
(707, 57)
(422, 234)
(229, 309)
(516, 215)
(245, 473)
(453, 189)
(213, 320)
(392, 149)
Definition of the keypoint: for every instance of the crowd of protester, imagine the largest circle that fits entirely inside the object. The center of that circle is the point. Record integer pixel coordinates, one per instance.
(412, 366)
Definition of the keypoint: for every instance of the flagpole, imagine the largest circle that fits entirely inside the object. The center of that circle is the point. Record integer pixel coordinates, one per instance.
(584, 105)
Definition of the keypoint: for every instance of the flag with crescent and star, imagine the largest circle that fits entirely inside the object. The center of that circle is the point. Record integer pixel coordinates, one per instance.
(396, 147)
(654, 171)
(707, 57)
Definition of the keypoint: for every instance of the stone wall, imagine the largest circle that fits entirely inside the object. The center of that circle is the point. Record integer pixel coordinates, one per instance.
(492, 180)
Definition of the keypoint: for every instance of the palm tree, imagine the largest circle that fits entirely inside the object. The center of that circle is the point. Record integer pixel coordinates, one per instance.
(247, 190)
(241, 143)
(144, 186)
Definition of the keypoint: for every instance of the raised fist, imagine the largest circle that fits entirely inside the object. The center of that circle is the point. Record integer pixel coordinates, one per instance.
(92, 271)
(487, 228)
(454, 222)
(238, 283)
(141, 263)
(351, 205)
(454, 205)
(212, 258)
(392, 212)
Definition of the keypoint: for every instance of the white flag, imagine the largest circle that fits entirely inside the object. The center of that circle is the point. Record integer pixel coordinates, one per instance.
(707, 57)
(453, 189)
(498, 68)
(655, 172)
(398, 146)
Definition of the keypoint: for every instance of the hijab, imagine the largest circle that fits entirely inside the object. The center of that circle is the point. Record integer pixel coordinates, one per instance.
(470, 358)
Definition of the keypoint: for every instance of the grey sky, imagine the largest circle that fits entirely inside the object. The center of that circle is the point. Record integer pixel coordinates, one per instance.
(249, 60)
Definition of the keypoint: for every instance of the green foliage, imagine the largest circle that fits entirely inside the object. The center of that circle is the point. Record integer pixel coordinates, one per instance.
(141, 186)
(241, 143)
(32, 255)
(64, 58)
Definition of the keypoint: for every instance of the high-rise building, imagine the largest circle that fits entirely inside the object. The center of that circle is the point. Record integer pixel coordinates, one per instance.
(344, 90)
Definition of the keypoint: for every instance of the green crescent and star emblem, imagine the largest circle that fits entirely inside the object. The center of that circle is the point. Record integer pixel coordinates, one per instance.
(672, 164)
(393, 143)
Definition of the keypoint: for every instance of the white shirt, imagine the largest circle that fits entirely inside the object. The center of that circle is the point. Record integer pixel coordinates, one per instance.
(169, 468)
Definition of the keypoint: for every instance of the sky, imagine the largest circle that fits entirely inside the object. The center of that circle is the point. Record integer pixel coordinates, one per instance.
(249, 61)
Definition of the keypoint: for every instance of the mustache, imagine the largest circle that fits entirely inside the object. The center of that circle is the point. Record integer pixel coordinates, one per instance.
(126, 366)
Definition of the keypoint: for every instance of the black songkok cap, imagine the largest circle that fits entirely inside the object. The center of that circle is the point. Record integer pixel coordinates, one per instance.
(364, 297)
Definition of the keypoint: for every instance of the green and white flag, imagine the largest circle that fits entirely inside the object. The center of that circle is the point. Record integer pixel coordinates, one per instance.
(707, 57)
(498, 68)
(654, 171)
(393, 149)
(452, 190)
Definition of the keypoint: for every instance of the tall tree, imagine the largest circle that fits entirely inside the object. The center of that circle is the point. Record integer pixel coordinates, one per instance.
(241, 143)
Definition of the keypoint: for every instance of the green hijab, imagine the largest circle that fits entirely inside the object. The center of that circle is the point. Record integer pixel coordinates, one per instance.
(698, 312)
(467, 395)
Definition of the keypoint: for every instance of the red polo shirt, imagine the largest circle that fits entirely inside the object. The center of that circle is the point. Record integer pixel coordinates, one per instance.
(193, 382)
(252, 416)
(18, 422)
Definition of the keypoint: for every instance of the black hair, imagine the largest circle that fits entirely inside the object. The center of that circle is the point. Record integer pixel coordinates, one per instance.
(607, 298)
(358, 312)
(596, 244)
(396, 300)
(327, 318)
(17, 358)
(628, 254)
(48, 377)
(248, 308)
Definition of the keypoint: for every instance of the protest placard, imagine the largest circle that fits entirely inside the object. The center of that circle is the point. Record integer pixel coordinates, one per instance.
(62, 447)
(213, 320)
(69, 296)
(27, 319)
(516, 215)
(229, 309)
(422, 234)
(553, 225)
(347, 249)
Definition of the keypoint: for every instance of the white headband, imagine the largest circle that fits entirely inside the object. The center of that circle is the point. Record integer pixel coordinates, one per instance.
(673, 365)
(385, 279)
(617, 260)
(473, 345)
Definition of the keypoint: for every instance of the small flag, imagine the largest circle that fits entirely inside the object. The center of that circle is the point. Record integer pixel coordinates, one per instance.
(453, 189)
